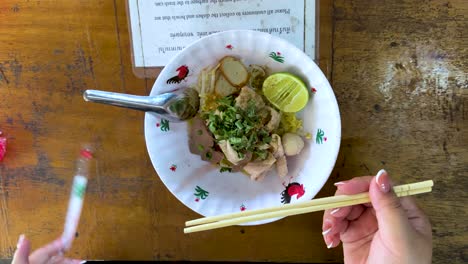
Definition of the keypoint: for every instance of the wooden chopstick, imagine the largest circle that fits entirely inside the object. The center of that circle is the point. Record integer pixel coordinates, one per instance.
(299, 208)
(331, 199)
(289, 212)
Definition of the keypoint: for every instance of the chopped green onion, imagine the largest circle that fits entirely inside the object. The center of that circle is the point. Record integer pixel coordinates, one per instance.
(242, 128)
(224, 169)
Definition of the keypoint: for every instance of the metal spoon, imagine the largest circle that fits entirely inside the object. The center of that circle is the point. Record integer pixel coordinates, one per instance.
(175, 106)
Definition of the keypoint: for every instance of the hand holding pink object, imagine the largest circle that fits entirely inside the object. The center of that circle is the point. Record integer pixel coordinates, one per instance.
(53, 252)
(50, 253)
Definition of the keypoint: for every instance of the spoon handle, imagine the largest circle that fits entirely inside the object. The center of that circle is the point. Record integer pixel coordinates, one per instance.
(143, 103)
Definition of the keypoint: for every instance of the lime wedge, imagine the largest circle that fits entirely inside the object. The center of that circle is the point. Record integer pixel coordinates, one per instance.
(286, 91)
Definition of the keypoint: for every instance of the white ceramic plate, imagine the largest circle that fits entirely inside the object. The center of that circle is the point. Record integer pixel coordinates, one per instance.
(199, 184)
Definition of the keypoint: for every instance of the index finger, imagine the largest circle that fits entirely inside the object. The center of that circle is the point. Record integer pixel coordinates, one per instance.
(355, 185)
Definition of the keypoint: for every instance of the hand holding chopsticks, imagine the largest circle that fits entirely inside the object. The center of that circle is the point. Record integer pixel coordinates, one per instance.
(388, 230)
(320, 204)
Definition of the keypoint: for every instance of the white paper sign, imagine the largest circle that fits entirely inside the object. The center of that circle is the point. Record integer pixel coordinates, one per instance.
(162, 28)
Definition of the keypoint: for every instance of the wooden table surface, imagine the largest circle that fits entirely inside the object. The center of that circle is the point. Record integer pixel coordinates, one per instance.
(398, 69)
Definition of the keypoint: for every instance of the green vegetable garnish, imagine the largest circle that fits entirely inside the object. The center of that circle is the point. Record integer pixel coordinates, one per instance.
(224, 169)
(242, 128)
(200, 147)
(262, 154)
(186, 105)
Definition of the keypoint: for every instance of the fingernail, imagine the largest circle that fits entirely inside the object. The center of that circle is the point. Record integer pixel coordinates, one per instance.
(335, 211)
(339, 183)
(383, 181)
(20, 241)
(330, 245)
(327, 227)
(326, 231)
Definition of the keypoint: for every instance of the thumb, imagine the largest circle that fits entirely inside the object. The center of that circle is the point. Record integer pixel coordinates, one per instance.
(391, 217)
(22, 252)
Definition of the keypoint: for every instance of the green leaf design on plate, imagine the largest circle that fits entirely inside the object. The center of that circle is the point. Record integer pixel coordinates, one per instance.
(165, 125)
(319, 136)
(200, 193)
(276, 56)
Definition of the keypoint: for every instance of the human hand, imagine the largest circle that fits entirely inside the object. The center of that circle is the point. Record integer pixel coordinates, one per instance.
(51, 253)
(388, 230)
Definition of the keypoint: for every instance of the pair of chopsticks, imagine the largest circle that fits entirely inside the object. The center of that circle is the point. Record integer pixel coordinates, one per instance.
(208, 223)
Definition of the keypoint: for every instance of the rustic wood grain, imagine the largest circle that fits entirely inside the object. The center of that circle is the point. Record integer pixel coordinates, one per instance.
(399, 73)
(400, 77)
(325, 36)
